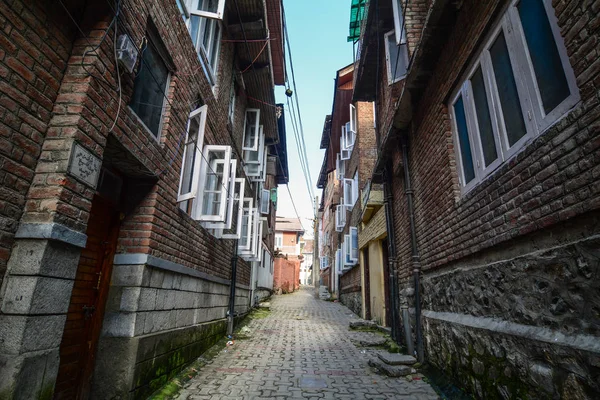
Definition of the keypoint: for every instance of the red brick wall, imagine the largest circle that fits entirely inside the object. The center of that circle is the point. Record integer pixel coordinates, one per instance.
(350, 281)
(552, 180)
(286, 275)
(35, 44)
(85, 109)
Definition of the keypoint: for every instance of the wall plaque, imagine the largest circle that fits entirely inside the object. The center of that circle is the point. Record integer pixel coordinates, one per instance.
(84, 165)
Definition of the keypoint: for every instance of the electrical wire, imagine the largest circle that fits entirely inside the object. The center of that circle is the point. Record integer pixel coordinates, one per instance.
(118, 72)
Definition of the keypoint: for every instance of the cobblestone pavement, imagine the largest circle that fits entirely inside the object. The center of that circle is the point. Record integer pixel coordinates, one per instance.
(302, 350)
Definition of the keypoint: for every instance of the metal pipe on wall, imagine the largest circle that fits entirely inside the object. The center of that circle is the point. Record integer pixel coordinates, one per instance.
(231, 312)
(416, 264)
(389, 224)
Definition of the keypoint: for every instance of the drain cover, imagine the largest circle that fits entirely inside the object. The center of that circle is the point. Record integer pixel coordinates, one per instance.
(312, 383)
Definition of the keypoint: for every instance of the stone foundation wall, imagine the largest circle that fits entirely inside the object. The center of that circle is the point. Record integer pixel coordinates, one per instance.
(158, 319)
(352, 300)
(524, 327)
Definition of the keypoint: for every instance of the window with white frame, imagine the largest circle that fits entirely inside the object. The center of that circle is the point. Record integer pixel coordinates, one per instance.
(354, 244)
(399, 23)
(251, 130)
(345, 152)
(206, 36)
(232, 99)
(192, 155)
(350, 190)
(353, 120)
(519, 85)
(338, 261)
(340, 167)
(350, 137)
(212, 9)
(278, 240)
(340, 217)
(230, 186)
(396, 57)
(233, 228)
(214, 183)
(265, 200)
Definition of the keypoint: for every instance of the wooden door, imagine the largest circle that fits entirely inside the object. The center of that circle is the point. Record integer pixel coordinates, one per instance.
(86, 309)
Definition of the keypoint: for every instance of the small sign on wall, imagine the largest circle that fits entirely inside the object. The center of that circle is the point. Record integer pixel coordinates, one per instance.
(84, 165)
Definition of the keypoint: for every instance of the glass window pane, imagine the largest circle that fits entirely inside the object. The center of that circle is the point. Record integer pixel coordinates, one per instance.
(547, 65)
(149, 89)
(214, 46)
(194, 29)
(250, 134)
(463, 141)
(507, 91)
(398, 62)
(484, 120)
(190, 156)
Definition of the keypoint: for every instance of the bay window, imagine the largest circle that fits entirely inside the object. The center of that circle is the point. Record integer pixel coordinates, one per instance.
(518, 86)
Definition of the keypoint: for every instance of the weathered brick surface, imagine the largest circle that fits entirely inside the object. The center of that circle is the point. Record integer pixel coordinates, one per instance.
(286, 275)
(48, 101)
(35, 44)
(528, 204)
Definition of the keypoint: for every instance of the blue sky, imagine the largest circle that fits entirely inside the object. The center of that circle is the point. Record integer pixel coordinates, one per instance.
(317, 32)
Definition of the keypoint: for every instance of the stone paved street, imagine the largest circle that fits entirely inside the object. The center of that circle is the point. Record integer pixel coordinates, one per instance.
(301, 350)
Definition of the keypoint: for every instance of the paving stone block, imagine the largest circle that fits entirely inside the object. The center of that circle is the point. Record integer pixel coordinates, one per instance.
(396, 359)
(390, 370)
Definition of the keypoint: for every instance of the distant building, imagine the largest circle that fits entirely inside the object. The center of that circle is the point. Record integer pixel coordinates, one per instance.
(288, 235)
(307, 248)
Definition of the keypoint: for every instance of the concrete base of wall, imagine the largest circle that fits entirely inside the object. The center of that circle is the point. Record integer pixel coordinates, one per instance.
(520, 321)
(158, 319)
(133, 368)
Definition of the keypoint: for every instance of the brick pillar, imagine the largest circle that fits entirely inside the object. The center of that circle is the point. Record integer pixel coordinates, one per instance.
(37, 287)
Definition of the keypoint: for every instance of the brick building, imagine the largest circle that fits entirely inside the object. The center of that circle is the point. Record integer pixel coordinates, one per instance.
(128, 187)
(488, 157)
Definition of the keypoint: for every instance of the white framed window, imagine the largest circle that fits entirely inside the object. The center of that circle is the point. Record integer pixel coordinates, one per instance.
(263, 170)
(354, 244)
(214, 183)
(206, 36)
(340, 217)
(396, 57)
(519, 85)
(265, 200)
(192, 155)
(256, 156)
(399, 25)
(230, 193)
(350, 190)
(245, 241)
(256, 254)
(251, 129)
(347, 247)
(338, 261)
(253, 233)
(183, 10)
(235, 214)
(350, 137)
(344, 153)
(353, 119)
(279, 240)
(212, 9)
(232, 99)
(340, 167)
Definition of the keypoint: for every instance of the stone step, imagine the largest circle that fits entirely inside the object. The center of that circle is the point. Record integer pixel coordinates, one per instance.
(362, 324)
(394, 371)
(396, 359)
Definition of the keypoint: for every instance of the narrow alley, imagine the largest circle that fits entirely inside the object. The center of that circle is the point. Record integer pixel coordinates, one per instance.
(303, 349)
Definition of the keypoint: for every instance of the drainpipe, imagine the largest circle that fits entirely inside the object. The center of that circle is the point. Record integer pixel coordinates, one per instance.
(231, 312)
(393, 277)
(416, 264)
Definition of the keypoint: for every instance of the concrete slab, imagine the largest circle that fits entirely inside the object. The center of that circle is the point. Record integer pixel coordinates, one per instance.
(390, 370)
(397, 359)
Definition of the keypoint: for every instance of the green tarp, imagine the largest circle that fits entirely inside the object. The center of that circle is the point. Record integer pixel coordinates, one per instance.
(357, 13)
